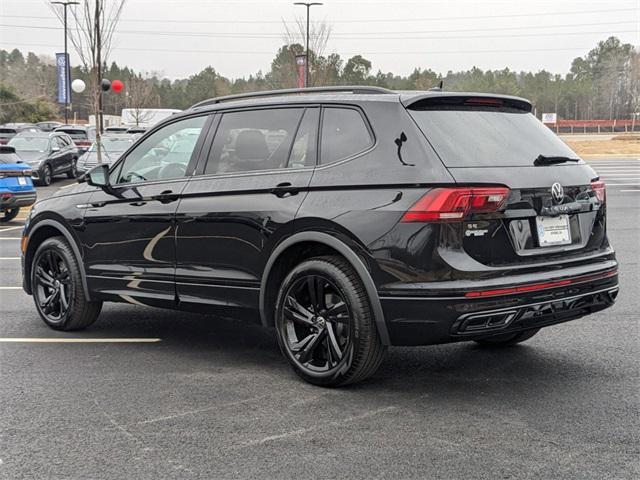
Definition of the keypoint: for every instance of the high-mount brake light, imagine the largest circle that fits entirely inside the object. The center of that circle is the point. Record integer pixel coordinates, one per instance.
(453, 204)
(492, 102)
(600, 190)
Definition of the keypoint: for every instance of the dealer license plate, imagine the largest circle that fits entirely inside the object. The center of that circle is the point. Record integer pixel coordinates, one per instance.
(553, 231)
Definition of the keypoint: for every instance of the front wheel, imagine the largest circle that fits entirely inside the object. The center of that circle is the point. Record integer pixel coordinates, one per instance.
(508, 339)
(9, 215)
(324, 323)
(46, 176)
(56, 284)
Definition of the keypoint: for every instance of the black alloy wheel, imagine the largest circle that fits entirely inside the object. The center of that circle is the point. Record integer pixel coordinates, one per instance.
(73, 170)
(46, 176)
(317, 323)
(324, 323)
(9, 215)
(57, 289)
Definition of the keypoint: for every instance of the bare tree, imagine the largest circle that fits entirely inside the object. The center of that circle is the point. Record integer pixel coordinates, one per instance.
(140, 97)
(319, 34)
(93, 25)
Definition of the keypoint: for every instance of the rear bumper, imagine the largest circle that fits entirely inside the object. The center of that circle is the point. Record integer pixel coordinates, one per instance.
(427, 320)
(18, 199)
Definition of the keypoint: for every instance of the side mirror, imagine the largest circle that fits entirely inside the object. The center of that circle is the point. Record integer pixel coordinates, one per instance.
(55, 149)
(98, 176)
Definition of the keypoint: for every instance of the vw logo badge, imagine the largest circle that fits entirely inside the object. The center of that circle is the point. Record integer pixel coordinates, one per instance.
(557, 192)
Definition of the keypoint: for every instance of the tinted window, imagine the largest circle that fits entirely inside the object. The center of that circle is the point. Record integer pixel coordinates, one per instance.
(253, 140)
(163, 155)
(8, 130)
(472, 137)
(344, 134)
(304, 150)
(75, 134)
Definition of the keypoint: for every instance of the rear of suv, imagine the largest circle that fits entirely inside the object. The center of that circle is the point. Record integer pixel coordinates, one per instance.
(348, 218)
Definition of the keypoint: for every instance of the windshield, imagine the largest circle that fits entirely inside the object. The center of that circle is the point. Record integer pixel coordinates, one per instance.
(482, 137)
(30, 144)
(113, 144)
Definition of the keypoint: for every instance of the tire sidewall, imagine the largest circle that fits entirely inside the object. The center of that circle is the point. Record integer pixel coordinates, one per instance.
(341, 282)
(56, 245)
(47, 176)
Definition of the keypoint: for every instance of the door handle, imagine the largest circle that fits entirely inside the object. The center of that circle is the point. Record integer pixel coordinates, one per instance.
(166, 196)
(284, 189)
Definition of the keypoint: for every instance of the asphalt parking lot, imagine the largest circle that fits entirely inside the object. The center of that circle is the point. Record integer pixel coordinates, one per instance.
(212, 398)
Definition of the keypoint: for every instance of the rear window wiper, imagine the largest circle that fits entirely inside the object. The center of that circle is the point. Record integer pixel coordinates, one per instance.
(544, 160)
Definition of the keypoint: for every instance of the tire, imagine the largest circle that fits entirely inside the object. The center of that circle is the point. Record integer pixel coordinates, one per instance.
(9, 215)
(46, 177)
(506, 340)
(55, 268)
(329, 339)
(73, 171)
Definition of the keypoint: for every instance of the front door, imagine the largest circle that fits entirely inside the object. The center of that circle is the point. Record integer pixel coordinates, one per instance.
(242, 202)
(128, 236)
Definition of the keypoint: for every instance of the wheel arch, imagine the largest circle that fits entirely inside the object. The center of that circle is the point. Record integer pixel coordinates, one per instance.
(328, 245)
(41, 231)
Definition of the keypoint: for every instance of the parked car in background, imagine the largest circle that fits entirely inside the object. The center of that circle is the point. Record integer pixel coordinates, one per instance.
(347, 218)
(137, 129)
(118, 129)
(113, 146)
(83, 136)
(49, 126)
(10, 130)
(16, 186)
(47, 154)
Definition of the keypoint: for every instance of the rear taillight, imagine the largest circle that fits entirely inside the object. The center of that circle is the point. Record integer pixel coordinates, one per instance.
(600, 190)
(453, 204)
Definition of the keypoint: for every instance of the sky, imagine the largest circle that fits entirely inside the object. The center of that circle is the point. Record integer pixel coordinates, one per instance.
(178, 38)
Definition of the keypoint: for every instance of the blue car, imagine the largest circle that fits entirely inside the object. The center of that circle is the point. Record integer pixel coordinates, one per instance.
(16, 186)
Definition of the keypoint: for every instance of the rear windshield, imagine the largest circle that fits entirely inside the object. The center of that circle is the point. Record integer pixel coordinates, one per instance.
(7, 130)
(488, 137)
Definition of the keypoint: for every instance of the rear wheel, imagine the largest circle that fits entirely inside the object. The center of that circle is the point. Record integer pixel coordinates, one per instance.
(56, 283)
(9, 215)
(324, 323)
(508, 339)
(73, 170)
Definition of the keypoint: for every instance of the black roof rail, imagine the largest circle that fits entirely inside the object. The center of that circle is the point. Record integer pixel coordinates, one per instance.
(356, 89)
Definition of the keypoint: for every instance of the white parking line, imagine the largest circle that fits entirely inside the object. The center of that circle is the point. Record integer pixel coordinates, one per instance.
(10, 228)
(9, 258)
(80, 340)
(10, 238)
(10, 288)
(634, 191)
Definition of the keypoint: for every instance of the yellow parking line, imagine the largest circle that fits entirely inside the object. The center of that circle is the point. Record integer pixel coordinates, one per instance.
(79, 340)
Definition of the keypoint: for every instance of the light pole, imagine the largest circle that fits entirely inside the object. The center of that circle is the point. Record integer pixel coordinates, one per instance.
(65, 4)
(306, 50)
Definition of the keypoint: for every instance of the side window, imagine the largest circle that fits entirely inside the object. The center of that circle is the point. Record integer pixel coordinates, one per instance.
(163, 155)
(304, 150)
(253, 140)
(344, 134)
(56, 142)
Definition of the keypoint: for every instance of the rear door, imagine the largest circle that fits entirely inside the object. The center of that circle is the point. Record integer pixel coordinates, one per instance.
(243, 201)
(553, 210)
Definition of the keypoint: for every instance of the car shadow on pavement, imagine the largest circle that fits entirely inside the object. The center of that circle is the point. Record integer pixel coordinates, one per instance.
(414, 370)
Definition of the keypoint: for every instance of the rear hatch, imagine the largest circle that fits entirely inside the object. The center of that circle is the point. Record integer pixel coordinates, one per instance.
(6, 134)
(555, 206)
(80, 137)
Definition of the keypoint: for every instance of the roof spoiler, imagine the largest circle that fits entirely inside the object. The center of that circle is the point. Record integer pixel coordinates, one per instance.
(442, 101)
(7, 149)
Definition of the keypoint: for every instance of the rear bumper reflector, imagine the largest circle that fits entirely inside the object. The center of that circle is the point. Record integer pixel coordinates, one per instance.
(540, 286)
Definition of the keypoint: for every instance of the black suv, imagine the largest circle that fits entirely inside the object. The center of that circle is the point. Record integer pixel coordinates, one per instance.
(349, 219)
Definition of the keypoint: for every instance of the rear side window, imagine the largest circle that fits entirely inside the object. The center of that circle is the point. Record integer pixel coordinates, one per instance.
(305, 146)
(253, 140)
(344, 134)
(487, 137)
